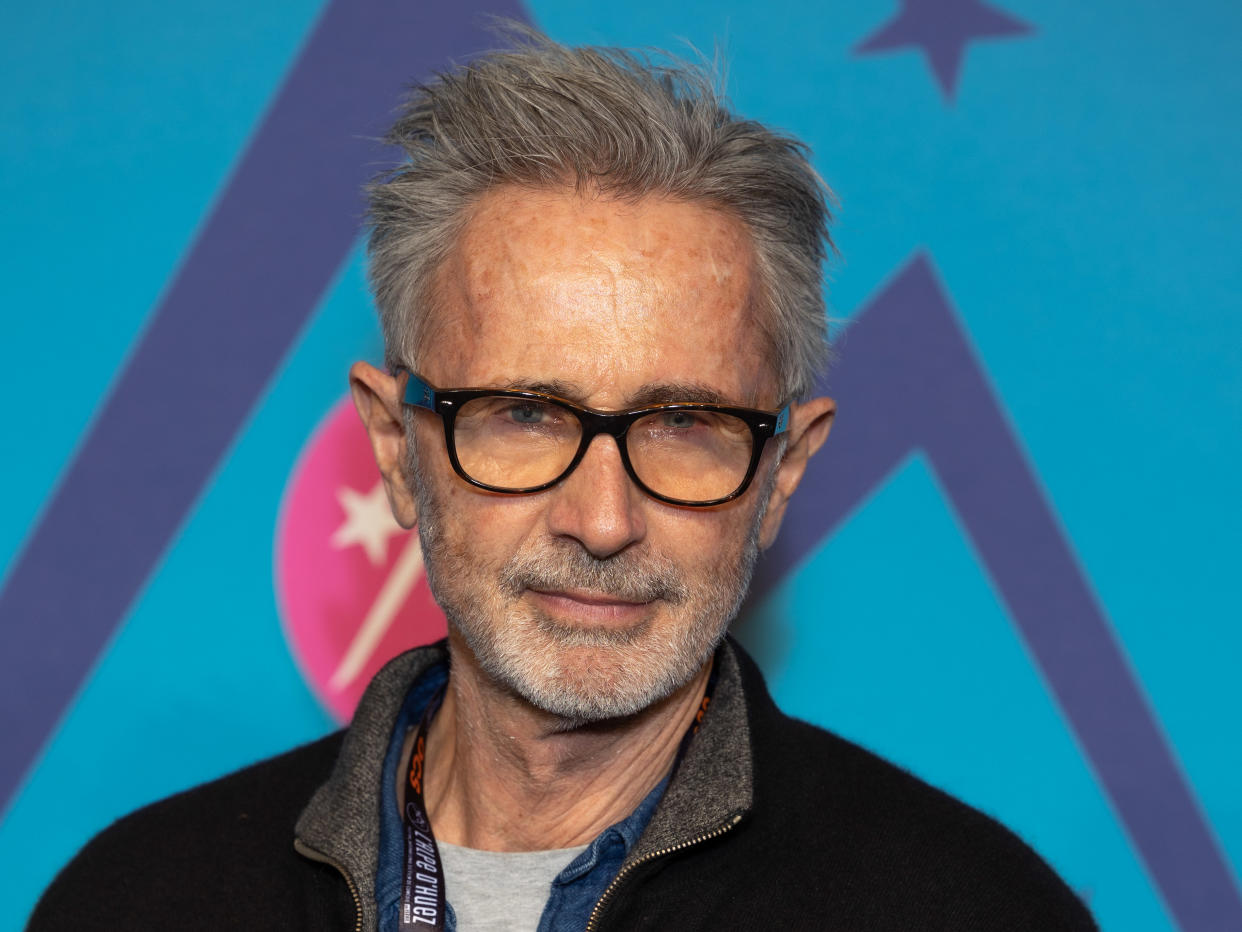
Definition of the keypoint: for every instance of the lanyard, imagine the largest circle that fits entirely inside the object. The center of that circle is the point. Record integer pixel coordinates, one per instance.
(422, 887)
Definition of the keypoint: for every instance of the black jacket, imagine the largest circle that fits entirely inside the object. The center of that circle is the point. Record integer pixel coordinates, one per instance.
(769, 823)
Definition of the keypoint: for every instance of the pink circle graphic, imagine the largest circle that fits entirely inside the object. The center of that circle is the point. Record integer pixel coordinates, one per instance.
(349, 579)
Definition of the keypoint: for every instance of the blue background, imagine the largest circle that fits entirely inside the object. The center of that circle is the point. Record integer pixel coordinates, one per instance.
(1080, 198)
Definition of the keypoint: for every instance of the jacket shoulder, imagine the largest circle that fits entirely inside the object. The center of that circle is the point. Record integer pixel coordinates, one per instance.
(217, 855)
(915, 850)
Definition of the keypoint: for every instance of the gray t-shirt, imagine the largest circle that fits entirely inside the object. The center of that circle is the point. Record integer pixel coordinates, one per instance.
(500, 891)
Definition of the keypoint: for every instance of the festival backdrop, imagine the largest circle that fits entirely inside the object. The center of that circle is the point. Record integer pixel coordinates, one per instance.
(1013, 569)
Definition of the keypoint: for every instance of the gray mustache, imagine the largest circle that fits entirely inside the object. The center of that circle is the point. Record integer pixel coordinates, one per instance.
(628, 576)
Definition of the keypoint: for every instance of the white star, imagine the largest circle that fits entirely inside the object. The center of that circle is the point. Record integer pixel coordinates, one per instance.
(368, 522)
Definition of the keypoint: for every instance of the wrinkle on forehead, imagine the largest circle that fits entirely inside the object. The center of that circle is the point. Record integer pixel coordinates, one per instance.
(601, 287)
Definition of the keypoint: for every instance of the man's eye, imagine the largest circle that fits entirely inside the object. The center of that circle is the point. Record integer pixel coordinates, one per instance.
(680, 420)
(527, 414)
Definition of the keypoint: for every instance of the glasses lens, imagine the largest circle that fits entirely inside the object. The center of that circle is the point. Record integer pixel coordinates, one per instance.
(691, 455)
(515, 443)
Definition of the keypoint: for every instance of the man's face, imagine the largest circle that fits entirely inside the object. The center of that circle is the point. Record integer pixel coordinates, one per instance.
(590, 599)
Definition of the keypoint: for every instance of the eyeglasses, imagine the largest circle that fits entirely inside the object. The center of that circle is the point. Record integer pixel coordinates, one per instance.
(518, 442)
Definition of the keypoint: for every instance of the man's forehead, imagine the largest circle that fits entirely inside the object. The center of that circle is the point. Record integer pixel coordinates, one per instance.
(519, 218)
(637, 299)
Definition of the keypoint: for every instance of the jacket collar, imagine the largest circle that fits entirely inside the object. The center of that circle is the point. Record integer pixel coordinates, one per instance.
(715, 782)
(341, 823)
(712, 787)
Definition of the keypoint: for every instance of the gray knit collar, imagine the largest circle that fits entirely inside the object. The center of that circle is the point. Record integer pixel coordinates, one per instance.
(341, 822)
(715, 782)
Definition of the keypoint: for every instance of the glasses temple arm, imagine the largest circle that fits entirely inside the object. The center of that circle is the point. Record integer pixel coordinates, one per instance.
(418, 392)
(782, 422)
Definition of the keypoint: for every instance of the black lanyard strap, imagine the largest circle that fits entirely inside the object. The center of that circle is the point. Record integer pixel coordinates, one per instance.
(422, 887)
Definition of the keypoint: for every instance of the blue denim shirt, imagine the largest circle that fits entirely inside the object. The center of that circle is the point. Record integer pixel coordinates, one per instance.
(576, 889)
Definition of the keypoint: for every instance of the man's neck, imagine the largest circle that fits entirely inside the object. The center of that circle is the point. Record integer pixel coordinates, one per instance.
(505, 776)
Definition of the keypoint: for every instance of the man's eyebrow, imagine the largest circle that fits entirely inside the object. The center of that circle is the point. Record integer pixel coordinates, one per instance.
(650, 394)
(570, 391)
(654, 393)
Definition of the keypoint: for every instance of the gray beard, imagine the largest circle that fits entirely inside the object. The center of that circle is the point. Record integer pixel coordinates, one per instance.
(582, 674)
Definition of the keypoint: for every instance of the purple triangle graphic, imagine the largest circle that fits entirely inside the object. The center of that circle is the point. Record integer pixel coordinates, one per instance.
(285, 221)
(909, 380)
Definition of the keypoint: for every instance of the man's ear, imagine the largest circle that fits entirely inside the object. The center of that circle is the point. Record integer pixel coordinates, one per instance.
(809, 423)
(377, 396)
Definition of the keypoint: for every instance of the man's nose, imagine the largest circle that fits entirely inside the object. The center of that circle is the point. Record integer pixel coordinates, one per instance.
(598, 504)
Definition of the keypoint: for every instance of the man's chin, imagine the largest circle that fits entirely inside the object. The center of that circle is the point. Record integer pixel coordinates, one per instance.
(577, 637)
(586, 673)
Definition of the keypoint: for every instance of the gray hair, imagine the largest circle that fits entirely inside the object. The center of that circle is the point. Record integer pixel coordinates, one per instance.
(610, 121)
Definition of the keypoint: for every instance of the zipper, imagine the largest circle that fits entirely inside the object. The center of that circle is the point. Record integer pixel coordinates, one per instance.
(616, 881)
(308, 852)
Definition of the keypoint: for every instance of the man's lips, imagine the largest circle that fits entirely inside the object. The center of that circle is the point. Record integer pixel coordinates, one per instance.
(589, 605)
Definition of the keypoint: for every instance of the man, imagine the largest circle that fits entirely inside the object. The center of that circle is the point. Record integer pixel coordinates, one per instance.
(600, 295)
